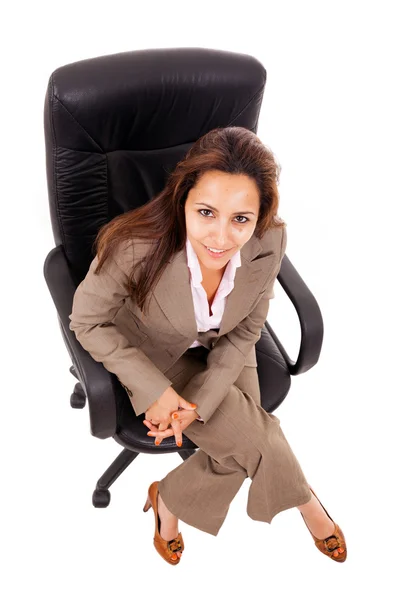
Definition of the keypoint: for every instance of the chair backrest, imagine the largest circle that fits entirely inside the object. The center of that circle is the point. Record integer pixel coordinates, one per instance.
(116, 125)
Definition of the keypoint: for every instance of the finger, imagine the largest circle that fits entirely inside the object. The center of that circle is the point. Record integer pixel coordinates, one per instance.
(186, 404)
(166, 432)
(161, 427)
(160, 435)
(177, 429)
(152, 420)
(151, 426)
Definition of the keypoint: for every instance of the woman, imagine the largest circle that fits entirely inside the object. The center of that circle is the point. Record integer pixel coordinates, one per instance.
(214, 235)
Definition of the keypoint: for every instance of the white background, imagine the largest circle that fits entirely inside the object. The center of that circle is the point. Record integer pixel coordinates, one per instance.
(330, 114)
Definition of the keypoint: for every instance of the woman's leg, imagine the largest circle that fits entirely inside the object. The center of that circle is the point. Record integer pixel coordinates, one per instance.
(181, 488)
(240, 440)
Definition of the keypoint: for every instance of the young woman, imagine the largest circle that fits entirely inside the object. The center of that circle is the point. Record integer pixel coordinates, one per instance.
(205, 252)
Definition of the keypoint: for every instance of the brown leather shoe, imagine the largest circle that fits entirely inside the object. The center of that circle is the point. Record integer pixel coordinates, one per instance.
(166, 549)
(334, 545)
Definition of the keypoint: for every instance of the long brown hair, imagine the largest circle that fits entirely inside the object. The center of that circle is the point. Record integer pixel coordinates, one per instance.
(234, 150)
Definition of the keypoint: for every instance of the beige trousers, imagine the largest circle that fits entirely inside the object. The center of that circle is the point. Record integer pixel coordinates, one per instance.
(240, 440)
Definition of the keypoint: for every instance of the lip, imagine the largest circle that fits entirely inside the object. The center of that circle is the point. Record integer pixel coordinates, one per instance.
(216, 256)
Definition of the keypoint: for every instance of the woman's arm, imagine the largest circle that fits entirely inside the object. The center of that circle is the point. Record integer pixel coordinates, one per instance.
(97, 300)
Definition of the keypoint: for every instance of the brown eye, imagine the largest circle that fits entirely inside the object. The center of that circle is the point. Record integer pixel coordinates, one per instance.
(207, 217)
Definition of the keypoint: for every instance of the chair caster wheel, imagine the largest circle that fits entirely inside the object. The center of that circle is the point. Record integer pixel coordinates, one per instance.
(101, 498)
(78, 398)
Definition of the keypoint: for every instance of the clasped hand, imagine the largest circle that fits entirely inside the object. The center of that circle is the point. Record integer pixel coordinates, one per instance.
(169, 410)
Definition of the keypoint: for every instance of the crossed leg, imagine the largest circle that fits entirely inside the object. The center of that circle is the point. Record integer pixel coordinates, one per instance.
(240, 440)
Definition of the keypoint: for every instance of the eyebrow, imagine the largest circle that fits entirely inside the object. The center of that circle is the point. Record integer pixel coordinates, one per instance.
(247, 212)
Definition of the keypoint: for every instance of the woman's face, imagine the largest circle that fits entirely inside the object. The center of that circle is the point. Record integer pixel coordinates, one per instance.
(216, 225)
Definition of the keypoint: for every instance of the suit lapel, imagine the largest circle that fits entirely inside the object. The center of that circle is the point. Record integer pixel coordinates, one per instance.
(173, 292)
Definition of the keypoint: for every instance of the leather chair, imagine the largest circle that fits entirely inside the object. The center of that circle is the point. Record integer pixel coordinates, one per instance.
(114, 126)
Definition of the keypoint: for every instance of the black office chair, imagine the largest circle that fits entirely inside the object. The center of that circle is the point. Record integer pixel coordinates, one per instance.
(115, 126)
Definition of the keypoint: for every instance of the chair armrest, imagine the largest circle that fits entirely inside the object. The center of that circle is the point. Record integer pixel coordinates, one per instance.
(98, 383)
(312, 327)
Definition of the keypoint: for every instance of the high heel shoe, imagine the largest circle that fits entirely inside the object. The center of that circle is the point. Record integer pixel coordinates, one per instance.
(334, 545)
(166, 549)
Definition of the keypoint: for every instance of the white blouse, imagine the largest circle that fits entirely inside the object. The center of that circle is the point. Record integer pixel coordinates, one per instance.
(205, 322)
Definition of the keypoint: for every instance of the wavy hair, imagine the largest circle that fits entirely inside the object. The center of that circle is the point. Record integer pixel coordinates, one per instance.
(234, 150)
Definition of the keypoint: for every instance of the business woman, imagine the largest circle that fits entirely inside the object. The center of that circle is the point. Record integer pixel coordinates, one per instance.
(204, 254)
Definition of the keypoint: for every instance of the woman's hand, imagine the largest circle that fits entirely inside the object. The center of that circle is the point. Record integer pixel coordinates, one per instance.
(159, 413)
(179, 419)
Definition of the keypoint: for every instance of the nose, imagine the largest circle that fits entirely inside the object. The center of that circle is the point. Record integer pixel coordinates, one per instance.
(221, 237)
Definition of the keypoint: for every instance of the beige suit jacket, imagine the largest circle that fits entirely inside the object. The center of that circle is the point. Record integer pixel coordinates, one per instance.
(140, 348)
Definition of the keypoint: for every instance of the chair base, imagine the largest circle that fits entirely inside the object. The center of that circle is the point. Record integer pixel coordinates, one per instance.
(101, 496)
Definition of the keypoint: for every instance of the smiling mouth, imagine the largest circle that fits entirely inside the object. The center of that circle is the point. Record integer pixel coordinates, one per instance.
(227, 249)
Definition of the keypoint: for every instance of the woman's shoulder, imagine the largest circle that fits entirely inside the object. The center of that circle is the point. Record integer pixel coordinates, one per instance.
(131, 251)
(274, 241)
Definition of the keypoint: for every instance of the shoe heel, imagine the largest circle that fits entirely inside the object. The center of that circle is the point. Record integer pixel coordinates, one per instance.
(325, 545)
(165, 548)
(147, 505)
